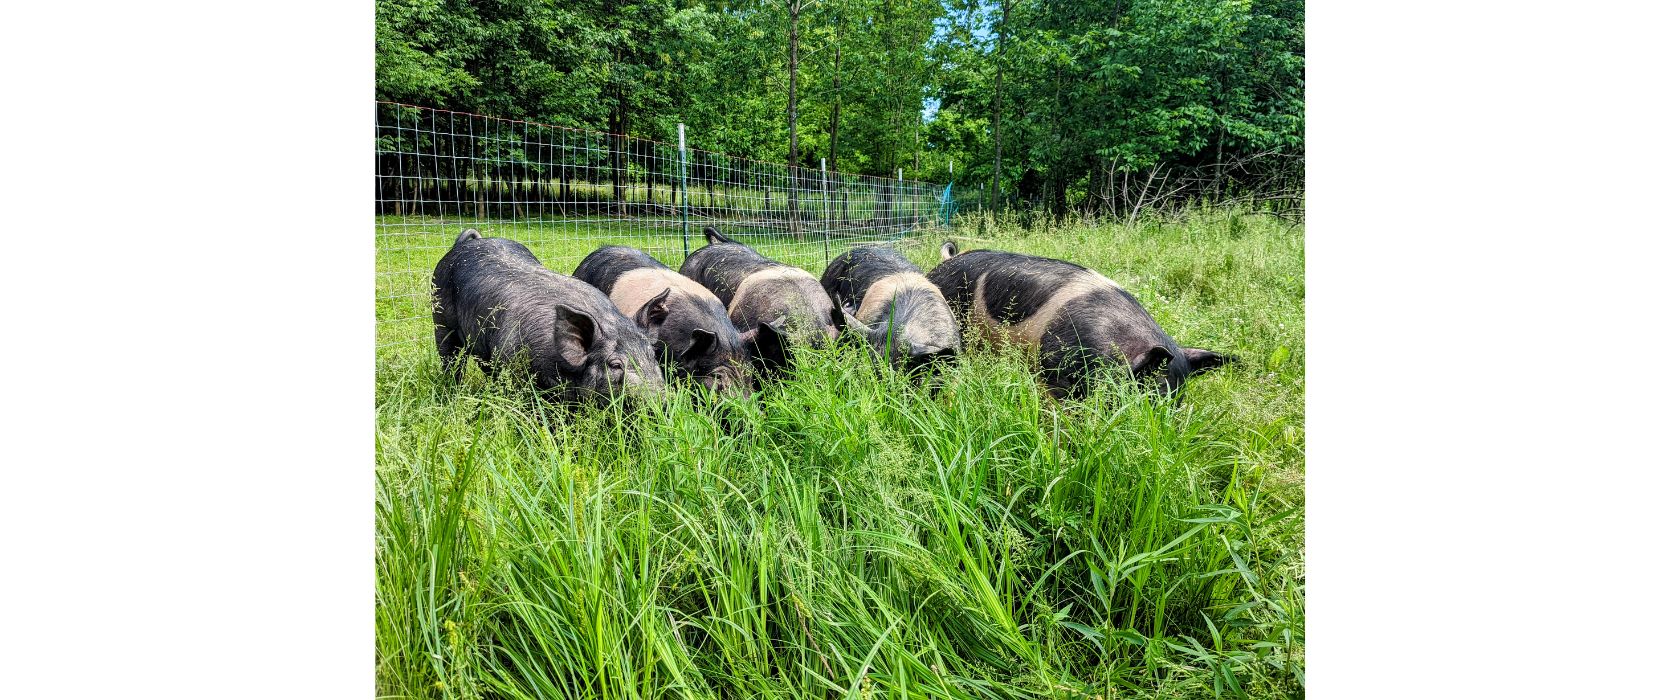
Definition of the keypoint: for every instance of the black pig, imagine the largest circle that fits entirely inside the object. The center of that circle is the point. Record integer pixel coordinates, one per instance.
(1077, 319)
(760, 292)
(493, 299)
(895, 301)
(690, 326)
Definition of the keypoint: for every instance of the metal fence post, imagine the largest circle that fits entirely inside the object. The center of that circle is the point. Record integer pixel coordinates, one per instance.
(682, 153)
(826, 223)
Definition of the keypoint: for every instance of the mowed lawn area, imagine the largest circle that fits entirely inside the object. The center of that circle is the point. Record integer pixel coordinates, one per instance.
(849, 532)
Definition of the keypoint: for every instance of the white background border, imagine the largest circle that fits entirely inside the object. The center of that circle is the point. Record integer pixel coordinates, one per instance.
(1491, 252)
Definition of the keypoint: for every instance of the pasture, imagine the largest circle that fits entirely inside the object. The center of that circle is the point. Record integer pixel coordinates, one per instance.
(850, 533)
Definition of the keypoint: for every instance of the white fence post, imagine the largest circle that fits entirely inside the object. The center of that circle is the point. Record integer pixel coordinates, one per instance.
(826, 207)
(682, 153)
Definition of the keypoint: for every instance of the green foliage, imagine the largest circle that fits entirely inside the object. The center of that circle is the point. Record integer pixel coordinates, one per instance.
(1091, 91)
(1092, 87)
(849, 532)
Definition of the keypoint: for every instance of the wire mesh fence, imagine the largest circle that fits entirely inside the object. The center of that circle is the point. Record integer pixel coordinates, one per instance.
(563, 192)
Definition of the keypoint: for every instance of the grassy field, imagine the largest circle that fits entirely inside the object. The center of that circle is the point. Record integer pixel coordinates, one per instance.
(847, 533)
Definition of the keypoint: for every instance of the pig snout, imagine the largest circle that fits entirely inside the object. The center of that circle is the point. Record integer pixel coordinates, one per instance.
(928, 359)
(726, 382)
(644, 384)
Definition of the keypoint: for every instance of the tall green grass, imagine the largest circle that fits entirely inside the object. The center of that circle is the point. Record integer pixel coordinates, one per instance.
(850, 532)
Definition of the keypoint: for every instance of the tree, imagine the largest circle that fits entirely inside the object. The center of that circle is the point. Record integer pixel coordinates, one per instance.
(1071, 105)
(997, 103)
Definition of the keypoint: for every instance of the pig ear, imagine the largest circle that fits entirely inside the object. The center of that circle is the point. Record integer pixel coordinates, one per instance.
(768, 345)
(836, 311)
(843, 306)
(1206, 360)
(851, 323)
(654, 312)
(948, 251)
(574, 334)
(842, 319)
(712, 236)
(1151, 359)
(700, 340)
(751, 335)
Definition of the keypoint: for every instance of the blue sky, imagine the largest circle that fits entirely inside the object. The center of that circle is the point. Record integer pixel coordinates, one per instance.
(941, 28)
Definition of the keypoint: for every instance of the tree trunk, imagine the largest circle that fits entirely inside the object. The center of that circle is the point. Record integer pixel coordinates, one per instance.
(647, 177)
(706, 177)
(793, 114)
(619, 145)
(454, 186)
(1219, 167)
(565, 188)
(916, 161)
(897, 118)
(834, 114)
(793, 84)
(997, 108)
(883, 206)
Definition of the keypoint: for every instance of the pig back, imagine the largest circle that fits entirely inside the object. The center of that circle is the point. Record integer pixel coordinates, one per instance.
(721, 267)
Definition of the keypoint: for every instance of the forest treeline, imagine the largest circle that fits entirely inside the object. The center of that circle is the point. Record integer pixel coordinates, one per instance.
(1097, 107)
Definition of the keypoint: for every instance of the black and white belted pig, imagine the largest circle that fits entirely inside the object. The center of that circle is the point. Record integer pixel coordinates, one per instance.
(494, 301)
(765, 294)
(905, 317)
(689, 324)
(1078, 319)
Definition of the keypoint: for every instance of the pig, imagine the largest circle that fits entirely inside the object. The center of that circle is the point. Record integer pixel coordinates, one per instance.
(1076, 318)
(495, 301)
(896, 304)
(689, 325)
(762, 293)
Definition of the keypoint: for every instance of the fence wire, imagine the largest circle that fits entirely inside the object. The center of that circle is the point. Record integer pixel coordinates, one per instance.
(564, 192)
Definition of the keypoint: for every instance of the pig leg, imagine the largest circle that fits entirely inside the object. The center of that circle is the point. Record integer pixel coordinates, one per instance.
(444, 327)
(450, 350)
